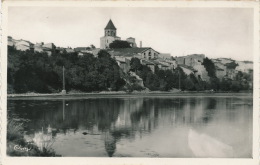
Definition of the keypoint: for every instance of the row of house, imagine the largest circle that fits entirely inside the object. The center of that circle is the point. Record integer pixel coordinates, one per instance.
(190, 64)
(147, 56)
(24, 45)
(48, 48)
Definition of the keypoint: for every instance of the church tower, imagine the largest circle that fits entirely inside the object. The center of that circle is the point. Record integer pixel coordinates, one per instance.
(110, 29)
(110, 35)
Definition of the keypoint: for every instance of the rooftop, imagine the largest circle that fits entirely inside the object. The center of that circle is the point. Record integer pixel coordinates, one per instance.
(127, 51)
(110, 25)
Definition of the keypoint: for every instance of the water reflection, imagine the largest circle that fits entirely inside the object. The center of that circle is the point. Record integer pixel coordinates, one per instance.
(140, 127)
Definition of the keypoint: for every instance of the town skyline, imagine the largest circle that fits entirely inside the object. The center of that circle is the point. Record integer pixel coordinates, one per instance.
(43, 24)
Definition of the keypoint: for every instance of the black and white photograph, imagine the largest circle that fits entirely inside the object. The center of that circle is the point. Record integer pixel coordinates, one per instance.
(129, 81)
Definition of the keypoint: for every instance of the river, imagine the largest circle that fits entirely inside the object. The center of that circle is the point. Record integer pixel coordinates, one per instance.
(140, 126)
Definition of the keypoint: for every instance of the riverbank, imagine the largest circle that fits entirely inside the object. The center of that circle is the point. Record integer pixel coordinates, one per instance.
(18, 146)
(125, 94)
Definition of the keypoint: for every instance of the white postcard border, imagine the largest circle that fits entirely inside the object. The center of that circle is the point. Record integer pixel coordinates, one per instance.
(129, 161)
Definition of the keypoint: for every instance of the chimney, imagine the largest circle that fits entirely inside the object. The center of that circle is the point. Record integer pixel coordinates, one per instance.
(140, 44)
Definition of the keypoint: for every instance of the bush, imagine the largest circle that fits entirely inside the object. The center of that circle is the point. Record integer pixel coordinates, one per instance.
(15, 137)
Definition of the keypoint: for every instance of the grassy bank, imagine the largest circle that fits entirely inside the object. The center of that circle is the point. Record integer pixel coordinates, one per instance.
(41, 96)
(18, 146)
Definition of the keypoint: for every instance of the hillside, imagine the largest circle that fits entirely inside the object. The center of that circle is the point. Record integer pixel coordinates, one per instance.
(30, 71)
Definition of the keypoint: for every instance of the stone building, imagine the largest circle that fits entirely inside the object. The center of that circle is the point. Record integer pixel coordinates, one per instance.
(110, 35)
(123, 63)
(141, 53)
(171, 63)
(190, 60)
(11, 41)
(131, 41)
(47, 48)
(24, 45)
(149, 64)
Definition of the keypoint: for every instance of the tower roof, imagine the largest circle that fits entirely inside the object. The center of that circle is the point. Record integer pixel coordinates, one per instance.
(110, 25)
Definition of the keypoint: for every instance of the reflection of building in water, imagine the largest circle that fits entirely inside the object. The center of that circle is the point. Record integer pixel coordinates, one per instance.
(63, 110)
(137, 115)
(124, 117)
(110, 144)
(44, 139)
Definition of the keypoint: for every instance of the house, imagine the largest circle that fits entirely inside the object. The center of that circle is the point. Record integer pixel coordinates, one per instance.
(38, 47)
(61, 49)
(131, 41)
(171, 63)
(79, 49)
(161, 65)
(24, 45)
(49, 45)
(48, 51)
(149, 64)
(190, 60)
(82, 53)
(93, 51)
(11, 41)
(69, 50)
(123, 63)
(141, 53)
(149, 54)
(47, 48)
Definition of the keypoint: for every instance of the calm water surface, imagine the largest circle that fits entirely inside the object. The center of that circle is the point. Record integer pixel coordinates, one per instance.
(141, 126)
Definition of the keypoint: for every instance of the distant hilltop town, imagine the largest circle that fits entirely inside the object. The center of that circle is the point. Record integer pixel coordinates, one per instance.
(190, 64)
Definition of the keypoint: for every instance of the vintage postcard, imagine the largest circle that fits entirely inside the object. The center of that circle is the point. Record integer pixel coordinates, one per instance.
(130, 82)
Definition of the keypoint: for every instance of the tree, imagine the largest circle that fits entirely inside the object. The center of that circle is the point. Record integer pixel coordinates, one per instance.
(119, 44)
(135, 64)
(214, 83)
(38, 72)
(231, 65)
(189, 85)
(92, 46)
(210, 67)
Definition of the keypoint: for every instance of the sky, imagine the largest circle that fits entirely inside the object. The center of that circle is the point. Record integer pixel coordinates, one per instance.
(215, 32)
